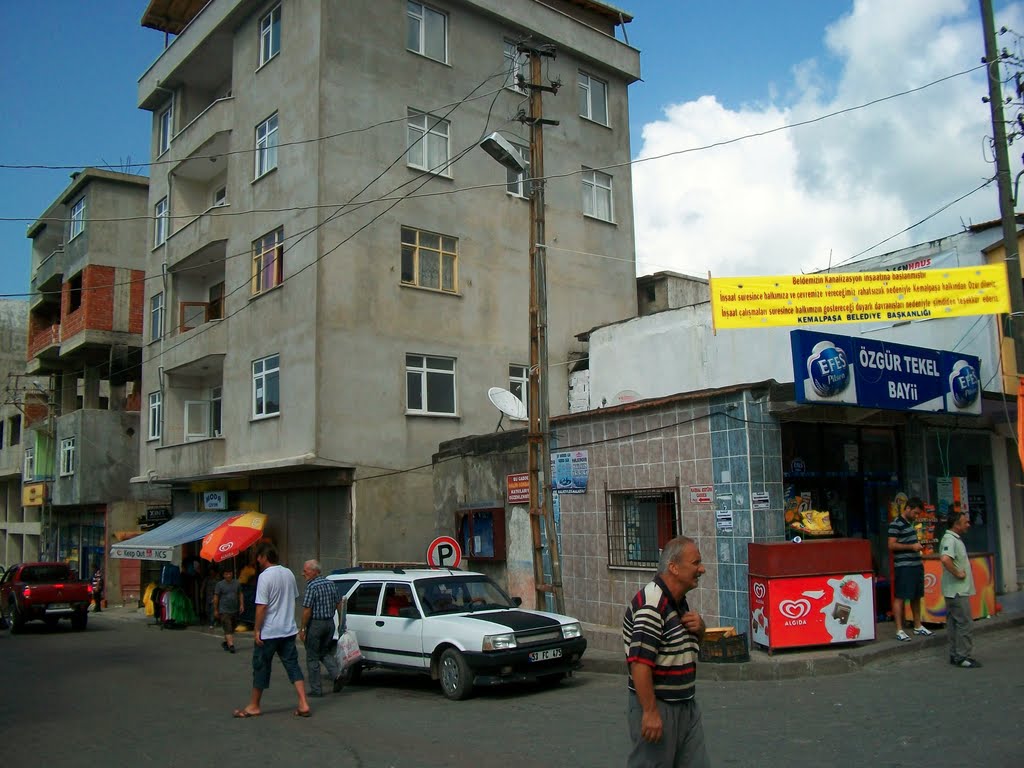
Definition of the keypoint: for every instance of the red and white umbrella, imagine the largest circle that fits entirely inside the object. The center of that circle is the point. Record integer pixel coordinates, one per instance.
(233, 536)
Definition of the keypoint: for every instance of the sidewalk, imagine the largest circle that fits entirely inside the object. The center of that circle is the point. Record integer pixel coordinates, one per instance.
(817, 662)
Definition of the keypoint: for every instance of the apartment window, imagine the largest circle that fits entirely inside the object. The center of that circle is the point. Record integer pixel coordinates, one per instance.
(67, 456)
(640, 524)
(75, 293)
(597, 195)
(266, 146)
(14, 429)
(266, 397)
(427, 33)
(593, 98)
(1, 434)
(77, 219)
(428, 143)
(268, 261)
(29, 470)
(156, 415)
(216, 412)
(156, 317)
(430, 385)
(518, 182)
(429, 260)
(519, 382)
(516, 63)
(160, 222)
(215, 306)
(220, 197)
(166, 123)
(270, 35)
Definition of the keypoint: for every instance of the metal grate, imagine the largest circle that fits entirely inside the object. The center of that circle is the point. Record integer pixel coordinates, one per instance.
(640, 523)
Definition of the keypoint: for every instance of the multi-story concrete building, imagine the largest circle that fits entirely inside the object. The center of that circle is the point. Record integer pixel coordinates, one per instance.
(19, 526)
(342, 272)
(83, 366)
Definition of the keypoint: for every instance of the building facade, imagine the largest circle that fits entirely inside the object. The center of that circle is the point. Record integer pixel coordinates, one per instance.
(19, 525)
(338, 273)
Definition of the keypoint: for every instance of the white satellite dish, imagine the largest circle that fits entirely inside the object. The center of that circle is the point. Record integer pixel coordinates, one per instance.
(507, 403)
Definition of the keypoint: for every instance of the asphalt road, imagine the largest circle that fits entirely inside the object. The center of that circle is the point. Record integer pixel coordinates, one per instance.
(125, 693)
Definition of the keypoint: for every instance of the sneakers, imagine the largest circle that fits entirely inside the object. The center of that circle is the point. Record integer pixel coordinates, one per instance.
(966, 662)
(923, 631)
(902, 636)
(224, 644)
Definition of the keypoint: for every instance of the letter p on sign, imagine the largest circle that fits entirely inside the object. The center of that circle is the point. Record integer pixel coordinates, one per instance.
(444, 552)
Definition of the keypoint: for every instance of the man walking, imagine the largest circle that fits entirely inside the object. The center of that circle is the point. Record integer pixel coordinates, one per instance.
(957, 588)
(662, 641)
(227, 604)
(908, 569)
(275, 632)
(97, 586)
(319, 604)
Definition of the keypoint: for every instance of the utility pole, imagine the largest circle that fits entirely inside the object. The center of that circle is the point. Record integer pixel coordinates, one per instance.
(539, 436)
(1004, 183)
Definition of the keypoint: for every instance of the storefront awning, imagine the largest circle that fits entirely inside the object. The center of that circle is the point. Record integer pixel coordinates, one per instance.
(159, 543)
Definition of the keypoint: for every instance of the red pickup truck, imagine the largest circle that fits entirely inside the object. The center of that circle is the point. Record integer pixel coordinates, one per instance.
(45, 592)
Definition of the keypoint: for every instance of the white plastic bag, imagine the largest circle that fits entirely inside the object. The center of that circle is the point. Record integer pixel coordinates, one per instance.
(347, 653)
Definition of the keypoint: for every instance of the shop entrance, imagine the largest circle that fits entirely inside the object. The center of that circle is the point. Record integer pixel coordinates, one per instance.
(852, 473)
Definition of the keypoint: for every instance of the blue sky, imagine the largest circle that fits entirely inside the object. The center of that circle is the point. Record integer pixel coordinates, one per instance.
(68, 73)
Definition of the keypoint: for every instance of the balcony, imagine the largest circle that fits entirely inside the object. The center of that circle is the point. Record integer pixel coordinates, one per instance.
(203, 232)
(44, 343)
(209, 128)
(190, 460)
(196, 350)
(104, 457)
(47, 278)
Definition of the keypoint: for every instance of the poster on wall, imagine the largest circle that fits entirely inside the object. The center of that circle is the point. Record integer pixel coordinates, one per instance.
(570, 471)
(951, 494)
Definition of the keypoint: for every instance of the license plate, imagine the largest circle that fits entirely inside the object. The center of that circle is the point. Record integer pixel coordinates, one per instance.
(58, 606)
(553, 653)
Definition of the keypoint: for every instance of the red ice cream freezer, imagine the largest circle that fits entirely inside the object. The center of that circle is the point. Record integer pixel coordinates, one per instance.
(811, 593)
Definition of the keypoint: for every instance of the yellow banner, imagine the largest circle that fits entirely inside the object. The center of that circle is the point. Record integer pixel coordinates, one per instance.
(858, 297)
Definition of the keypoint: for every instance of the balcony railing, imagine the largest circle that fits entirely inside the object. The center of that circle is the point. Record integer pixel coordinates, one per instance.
(50, 270)
(186, 460)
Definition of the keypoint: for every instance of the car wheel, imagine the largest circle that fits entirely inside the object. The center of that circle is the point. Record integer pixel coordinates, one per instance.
(456, 676)
(79, 621)
(16, 619)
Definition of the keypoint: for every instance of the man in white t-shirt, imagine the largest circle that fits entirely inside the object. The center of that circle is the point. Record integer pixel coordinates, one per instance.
(275, 631)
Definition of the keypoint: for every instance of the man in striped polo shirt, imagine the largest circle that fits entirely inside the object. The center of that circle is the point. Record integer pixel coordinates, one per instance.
(908, 569)
(662, 640)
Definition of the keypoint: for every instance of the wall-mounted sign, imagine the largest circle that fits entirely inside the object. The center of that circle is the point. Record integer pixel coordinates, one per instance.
(215, 499)
(760, 500)
(701, 494)
(158, 514)
(33, 494)
(569, 471)
(517, 488)
(840, 370)
(723, 520)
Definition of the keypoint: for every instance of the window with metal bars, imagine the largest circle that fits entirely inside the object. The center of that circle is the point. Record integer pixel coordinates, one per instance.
(640, 523)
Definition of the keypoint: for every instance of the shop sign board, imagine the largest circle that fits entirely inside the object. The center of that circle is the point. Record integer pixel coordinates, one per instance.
(215, 500)
(569, 471)
(33, 494)
(831, 369)
(126, 551)
(701, 494)
(517, 488)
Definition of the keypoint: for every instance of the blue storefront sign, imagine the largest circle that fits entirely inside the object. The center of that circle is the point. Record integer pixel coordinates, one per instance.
(841, 370)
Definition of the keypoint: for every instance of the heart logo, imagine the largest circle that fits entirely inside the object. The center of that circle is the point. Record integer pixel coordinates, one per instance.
(759, 590)
(929, 581)
(795, 609)
(226, 546)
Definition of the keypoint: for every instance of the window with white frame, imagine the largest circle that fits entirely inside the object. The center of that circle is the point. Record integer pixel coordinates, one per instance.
(518, 182)
(270, 35)
(67, 456)
(197, 420)
(266, 146)
(268, 261)
(160, 218)
(593, 98)
(156, 415)
(427, 32)
(266, 387)
(597, 195)
(156, 316)
(430, 385)
(216, 412)
(77, 219)
(516, 63)
(428, 143)
(165, 127)
(429, 260)
(519, 382)
(29, 470)
(220, 197)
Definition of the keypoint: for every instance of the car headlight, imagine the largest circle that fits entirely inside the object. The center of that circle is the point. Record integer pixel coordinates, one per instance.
(499, 642)
(569, 631)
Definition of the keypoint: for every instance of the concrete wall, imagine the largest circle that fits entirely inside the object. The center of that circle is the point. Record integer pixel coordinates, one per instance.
(19, 528)
(106, 456)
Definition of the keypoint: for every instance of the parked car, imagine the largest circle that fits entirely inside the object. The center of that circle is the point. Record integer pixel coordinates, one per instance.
(459, 627)
(45, 592)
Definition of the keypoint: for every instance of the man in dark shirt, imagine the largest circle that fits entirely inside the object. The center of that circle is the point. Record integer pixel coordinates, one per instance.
(662, 641)
(908, 569)
(227, 604)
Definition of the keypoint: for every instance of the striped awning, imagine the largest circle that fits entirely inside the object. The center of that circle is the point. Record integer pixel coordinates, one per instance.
(159, 543)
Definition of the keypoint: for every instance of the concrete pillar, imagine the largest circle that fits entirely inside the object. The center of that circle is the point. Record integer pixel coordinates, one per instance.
(1009, 544)
(117, 396)
(91, 393)
(68, 393)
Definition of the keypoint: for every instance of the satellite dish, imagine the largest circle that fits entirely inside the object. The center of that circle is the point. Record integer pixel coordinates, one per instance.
(507, 403)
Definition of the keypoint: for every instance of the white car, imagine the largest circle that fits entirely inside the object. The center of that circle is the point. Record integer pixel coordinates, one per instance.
(457, 626)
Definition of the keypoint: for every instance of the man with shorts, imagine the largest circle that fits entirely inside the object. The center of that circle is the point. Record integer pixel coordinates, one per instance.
(275, 632)
(227, 604)
(908, 569)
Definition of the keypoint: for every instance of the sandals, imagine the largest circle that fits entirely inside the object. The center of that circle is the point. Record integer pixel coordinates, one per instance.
(303, 713)
(242, 714)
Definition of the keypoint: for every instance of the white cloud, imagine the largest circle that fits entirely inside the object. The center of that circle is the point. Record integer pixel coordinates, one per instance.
(783, 203)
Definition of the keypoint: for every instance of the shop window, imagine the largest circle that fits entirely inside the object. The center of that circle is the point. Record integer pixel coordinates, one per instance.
(640, 524)
(481, 533)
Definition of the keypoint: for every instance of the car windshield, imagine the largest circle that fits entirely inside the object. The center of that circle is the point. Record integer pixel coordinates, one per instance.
(460, 595)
